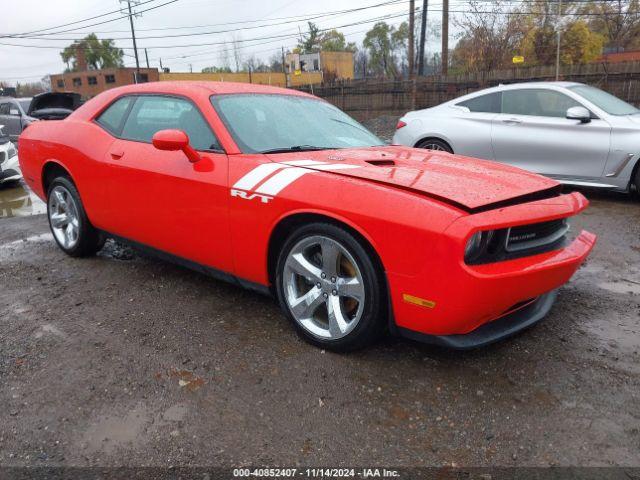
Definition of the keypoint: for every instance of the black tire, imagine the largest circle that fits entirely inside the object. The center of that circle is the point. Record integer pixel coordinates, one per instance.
(372, 322)
(636, 183)
(435, 144)
(89, 240)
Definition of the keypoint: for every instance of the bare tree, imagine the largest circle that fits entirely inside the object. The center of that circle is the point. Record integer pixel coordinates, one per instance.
(224, 55)
(617, 20)
(488, 37)
(236, 44)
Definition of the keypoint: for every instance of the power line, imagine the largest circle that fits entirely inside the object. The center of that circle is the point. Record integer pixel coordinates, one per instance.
(16, 35)
(376, 19)
(194, 34)
(105, 21)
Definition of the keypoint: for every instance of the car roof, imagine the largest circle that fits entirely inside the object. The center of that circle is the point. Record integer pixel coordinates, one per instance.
(521, 85)
(190, 89)
(197, 87)
(537, 85)
(510, 86)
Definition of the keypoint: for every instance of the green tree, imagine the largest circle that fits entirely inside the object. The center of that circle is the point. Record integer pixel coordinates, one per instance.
(98, 53)
(579, 44)
(330, 41)
(334, 41)
(310, 40)
(383, 44)
(216, 70)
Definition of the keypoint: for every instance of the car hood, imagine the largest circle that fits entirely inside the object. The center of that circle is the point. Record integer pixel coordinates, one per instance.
(467, 183)
(54, 105)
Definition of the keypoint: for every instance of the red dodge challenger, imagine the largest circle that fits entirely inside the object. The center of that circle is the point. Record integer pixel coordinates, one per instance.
(281, 192)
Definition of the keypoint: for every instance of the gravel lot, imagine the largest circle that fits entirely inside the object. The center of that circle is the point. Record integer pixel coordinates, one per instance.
(125, 360)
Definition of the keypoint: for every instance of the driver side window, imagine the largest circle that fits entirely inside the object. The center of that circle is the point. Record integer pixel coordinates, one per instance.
(152, 113)
(538, 102)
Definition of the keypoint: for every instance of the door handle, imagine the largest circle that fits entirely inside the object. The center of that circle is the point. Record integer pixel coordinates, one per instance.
(512, 121)
(117, 154)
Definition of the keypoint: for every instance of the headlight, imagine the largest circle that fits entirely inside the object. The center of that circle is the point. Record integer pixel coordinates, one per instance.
(477, 245)
(12, 152)
(473, 245)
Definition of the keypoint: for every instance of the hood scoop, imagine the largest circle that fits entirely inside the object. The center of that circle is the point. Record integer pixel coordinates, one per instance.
(381, 163)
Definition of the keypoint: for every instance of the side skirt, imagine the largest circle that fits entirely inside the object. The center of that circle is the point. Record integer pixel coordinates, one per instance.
(191, 265)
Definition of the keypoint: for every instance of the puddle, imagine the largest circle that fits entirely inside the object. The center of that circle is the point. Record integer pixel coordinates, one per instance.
(624, 287)
(49, 329)
(111, 432)
(16, 200)
(8, 249)
(176, 413)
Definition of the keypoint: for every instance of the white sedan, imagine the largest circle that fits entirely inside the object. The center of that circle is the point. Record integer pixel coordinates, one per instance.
(572, 132)
(9, 166)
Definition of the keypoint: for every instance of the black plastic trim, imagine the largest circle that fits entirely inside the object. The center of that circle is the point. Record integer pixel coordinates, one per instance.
(198, 267)
(491, 332)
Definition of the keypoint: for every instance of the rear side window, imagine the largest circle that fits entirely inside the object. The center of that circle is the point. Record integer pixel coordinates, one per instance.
(489, 103)
(113, 117)
(150, 114)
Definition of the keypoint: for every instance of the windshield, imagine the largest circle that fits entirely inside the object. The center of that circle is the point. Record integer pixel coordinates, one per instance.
(263, 123)
(607, 102)
(24, 103)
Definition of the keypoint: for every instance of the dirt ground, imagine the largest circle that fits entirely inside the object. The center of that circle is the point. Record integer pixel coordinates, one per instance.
(125, 360)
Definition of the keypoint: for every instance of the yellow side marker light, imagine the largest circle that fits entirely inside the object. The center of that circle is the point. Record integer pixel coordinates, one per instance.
(418, 301)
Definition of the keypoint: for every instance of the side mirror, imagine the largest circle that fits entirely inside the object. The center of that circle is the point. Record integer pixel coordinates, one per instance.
(174, 140)
(579, 113)
(15, 112)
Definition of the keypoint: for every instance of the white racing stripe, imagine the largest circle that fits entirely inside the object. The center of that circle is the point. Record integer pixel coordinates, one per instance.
(287, 173)
(255, 176)
(335, 166)
(304, 163)
(282, 179)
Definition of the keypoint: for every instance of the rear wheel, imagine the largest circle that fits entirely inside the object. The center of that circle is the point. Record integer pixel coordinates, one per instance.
(636, 182)
(330, 288)
(68, 221)
(435, 144)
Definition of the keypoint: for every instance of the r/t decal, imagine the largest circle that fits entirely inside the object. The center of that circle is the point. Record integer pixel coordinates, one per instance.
(250, 196)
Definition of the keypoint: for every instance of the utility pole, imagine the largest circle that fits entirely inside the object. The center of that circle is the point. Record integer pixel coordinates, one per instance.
(423, 33)
(161, 68)
(445, 37)
(558, 27)
(133, 36)
(146, 56)
(412, 23)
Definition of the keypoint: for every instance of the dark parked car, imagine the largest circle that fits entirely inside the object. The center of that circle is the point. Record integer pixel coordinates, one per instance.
(17, 113)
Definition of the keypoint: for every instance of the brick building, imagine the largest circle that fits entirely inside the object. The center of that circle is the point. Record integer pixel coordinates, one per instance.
(89, 83)
(617, 57)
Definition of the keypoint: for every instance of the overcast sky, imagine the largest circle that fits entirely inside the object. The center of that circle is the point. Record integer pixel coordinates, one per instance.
(23, 64)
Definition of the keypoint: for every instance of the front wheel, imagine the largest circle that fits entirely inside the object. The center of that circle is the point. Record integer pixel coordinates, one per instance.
(331, 288)
(68, 221)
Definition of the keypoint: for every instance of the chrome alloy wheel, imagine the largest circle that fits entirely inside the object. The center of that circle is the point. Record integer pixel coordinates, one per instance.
(323, 287)
(63, 217)
(433, 146)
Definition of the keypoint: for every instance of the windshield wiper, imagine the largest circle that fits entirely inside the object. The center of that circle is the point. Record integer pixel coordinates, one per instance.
(296, 148)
